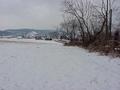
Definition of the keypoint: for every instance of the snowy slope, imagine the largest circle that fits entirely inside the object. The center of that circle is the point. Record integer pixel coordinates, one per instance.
(51, 66)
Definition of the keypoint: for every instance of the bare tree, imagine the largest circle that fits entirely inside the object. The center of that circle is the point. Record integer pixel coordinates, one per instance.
(92, 21)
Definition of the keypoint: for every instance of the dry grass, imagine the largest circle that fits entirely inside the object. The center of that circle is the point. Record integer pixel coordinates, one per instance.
(101, 47)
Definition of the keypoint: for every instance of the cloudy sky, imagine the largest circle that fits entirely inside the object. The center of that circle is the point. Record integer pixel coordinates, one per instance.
(38, 14)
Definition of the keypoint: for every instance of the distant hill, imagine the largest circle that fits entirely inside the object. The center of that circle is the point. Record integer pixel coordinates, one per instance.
(21, 32)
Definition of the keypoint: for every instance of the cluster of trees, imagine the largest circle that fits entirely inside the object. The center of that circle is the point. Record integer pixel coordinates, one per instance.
(88, 23)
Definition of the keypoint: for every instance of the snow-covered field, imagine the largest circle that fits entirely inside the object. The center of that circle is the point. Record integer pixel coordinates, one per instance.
(48, 65)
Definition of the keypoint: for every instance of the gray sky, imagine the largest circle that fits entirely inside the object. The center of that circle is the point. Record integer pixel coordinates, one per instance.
(38, 14)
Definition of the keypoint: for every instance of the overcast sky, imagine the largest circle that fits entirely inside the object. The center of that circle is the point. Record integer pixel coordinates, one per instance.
(38, 14)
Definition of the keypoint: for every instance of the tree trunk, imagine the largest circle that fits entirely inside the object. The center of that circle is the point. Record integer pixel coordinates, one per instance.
(110, 23)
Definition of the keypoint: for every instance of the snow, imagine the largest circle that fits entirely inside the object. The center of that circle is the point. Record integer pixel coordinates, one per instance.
(32, 34)
(48, 65)
(17, 40)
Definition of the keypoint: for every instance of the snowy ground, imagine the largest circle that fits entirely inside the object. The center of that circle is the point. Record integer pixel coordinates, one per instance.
(47, 65)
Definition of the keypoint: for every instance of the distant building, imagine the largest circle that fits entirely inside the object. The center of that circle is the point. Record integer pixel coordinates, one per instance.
(31, 35)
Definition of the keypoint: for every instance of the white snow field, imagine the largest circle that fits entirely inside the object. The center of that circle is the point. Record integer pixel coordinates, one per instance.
(48, 65)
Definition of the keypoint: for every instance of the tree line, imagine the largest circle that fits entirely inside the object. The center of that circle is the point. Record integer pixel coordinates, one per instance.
(88, 24)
